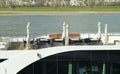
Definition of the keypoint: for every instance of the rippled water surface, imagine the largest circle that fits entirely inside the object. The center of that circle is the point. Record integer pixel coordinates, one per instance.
(45, 24)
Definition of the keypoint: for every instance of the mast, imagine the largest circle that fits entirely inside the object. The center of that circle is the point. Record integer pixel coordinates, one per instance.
(99, 30)
(28, 36)
(63, 33)
(67, 35)
(106, 36)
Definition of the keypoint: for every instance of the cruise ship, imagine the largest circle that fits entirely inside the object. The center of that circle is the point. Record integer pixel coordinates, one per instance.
(63, 53)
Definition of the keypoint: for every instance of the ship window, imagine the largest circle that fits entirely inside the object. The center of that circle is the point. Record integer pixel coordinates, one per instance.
(63, 67)
(94, 68)
(77, 62)
(115, 67)
(1, 60)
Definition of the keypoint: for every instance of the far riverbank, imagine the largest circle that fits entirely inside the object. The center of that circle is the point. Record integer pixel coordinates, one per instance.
(51, 13)
(58, 10)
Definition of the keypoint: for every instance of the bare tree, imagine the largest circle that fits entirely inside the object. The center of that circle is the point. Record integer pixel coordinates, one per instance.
(12, 4)
(92, 3)
(40, 2)
(1, 2)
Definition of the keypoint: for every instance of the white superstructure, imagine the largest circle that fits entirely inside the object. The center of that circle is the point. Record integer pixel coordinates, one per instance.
(20, 59)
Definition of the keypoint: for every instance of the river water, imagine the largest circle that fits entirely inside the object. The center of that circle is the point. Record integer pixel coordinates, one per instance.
(15, 25)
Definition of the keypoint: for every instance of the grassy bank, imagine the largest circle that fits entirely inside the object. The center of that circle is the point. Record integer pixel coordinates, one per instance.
(68, 8)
